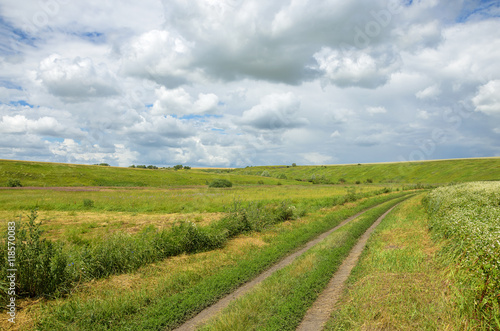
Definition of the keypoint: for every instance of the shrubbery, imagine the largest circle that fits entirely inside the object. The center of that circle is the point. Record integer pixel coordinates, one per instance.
(220, 183)
(51, 268)
(14, 182)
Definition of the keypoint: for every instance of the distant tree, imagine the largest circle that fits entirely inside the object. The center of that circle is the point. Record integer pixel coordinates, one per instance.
(294, 164)
(178, 167)
(187, 167)
(132, 166)
(142, 166)
(104, 164)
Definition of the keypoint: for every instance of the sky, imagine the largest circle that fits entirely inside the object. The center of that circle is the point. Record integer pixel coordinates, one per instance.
(236, 83)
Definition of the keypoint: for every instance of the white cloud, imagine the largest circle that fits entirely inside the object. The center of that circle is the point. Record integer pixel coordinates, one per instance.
(356, 68)
(335, 134)
(317, 158)
(275, 112)
(429, 92)
(179, 102)
(376, 110)
(487, 99)
(76, 79)
(160, 55)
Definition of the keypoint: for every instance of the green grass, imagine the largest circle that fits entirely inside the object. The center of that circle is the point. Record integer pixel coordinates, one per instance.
(169, 303)
(42, 174)
(281, 301)
(398, 283)
(430, 172)
(178, 200)
(466, 218)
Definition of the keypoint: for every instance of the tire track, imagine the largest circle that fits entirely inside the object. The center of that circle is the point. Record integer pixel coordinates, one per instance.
(212, 310)
(319, 313)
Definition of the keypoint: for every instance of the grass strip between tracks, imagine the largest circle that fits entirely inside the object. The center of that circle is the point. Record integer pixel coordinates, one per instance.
(146, 310)
(281, 301)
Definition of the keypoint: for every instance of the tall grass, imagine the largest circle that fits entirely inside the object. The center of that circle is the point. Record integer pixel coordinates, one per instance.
(51, 268)
(467, 216)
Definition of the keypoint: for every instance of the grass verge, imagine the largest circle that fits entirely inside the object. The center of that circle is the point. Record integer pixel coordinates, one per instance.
(398, 283)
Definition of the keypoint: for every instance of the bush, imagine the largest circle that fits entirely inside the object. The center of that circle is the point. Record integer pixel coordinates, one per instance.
(14, 182)
(369, 180)
(87, 203)
(260, 182)
(294, 164)
(220, 183)
(178, 167)
(342, 180)
(265, 173)
(358, 182)
(282, 176)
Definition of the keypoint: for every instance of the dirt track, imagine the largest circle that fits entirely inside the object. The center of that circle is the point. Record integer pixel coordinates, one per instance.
(317, 316)
(211, 311)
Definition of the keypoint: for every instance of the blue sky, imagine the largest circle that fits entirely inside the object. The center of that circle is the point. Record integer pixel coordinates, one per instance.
(249, 82)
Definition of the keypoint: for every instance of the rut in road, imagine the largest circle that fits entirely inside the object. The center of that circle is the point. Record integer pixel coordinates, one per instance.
(317, 316)
(211, 311)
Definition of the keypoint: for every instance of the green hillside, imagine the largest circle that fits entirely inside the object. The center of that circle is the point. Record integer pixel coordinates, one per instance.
(59, 174)
(431, 172)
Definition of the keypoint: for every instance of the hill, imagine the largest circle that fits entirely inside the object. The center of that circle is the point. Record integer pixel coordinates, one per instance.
(44, 174)
(429, 172)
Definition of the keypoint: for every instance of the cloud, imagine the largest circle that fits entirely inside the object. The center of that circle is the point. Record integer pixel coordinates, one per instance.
(376, 110)
(162, 56)
(429, 92)
(43, 126)
(179, 102)
(76, 79)
(487, 99)
(356, 68)
(275, 112)
(316, 158)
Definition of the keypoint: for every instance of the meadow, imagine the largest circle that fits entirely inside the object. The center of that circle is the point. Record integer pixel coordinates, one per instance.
(126, 248)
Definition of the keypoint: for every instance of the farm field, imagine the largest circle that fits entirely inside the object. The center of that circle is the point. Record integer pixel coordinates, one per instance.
(119, 256)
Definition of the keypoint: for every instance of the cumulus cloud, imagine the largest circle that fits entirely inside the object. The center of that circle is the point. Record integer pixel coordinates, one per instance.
(487, 99)
(44, 126)
(356, 68)
(275, 112)
(179, 102)
(160, 55)
(76, 79)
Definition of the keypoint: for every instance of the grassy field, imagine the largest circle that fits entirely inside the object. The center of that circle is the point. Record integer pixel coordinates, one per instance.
(123, 248)
(41, 174)
(429, 172)
(165, 293)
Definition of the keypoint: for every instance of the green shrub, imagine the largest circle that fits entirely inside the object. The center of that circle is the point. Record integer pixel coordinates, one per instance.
(260, 182)
(220, 183)
(282, 176)
(178, 167)
(14, 182)
(88, 203)
(369, 180)
(265, 173)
